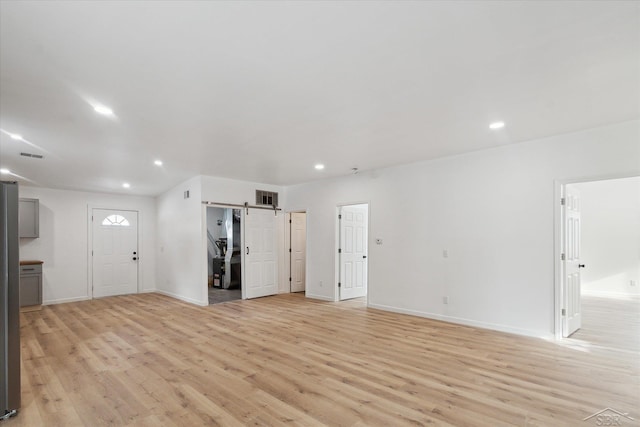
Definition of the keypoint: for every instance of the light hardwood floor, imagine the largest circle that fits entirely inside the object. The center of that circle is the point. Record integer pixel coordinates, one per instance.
(149, 360)
(613, 323)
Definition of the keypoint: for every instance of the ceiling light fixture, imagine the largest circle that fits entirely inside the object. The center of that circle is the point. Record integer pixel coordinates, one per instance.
(319, 166)
(126, 185)
(158, 163)
(4, 171)
(101, 109)
(496, 125)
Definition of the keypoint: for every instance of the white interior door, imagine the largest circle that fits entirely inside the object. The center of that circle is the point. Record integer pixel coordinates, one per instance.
(261, 253)
(572, 318)
(115, 252)
(353, 251)
(298, 250)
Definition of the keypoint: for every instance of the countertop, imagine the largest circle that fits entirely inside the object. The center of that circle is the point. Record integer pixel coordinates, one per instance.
(31, 262)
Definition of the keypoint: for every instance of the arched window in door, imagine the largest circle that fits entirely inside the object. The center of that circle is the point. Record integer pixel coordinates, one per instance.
(116, 220)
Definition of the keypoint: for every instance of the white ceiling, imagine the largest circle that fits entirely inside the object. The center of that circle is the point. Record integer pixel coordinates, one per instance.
(262, 91)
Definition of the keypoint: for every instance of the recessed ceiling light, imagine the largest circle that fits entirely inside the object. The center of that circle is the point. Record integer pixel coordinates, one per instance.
(101, 109)
(496, 125)
(126, 185)
(4, 171)
(319, 166)
(15, 136)
(158, 163)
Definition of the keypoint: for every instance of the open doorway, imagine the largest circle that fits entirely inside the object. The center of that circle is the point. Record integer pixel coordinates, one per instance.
(603, 241)
(352, 247)
(224, 254)
(297, 251)
(610, 253)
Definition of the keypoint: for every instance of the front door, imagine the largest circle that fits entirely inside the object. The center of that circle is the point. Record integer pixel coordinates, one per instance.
(572, 318)
(115, 252)
(353, 251)
(298, 250)
(261, 249)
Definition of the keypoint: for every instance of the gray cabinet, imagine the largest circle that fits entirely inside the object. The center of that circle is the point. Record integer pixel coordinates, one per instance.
(29, 218)
(30, 284)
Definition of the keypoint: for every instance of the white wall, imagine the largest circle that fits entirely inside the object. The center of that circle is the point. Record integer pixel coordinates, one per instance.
(224, 190)
(492, 210)
(610, 215)
(181, 234)
(64, 239)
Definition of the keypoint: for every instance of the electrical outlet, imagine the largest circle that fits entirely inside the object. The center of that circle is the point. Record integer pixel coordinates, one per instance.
(632, 283)
(445, 254)
(445, 300)
(320, 283)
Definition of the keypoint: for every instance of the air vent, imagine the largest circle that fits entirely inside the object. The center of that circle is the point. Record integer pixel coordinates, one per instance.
(268, 198)
(35, 156)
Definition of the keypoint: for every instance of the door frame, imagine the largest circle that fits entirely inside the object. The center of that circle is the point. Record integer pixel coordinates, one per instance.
(90, 209)
(336, 289)
(205, 250)
(287, 254)
(559, 191)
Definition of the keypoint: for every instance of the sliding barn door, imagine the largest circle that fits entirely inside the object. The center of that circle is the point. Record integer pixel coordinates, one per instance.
(261, 253)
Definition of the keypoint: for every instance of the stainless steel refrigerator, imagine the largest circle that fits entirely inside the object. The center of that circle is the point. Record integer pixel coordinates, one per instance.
(9, 301)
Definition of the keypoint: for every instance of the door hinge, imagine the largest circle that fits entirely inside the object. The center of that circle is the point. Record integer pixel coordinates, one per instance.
(339, 251)
(562, 257)
(289, 250)
(339, 284)
(563, 201)
(340, 216)
(289, 278)
(91, 217)
(564, 312)
(289, 221)
(91, 253)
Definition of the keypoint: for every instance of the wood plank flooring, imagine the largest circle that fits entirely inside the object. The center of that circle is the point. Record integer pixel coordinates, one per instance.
(610, 322)
(149, 360)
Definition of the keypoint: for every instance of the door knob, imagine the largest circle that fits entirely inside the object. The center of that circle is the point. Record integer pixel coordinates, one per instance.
(135, 258)
(364, 256)
(580, 265)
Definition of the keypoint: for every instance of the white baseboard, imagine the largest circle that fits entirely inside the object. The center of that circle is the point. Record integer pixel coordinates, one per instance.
(65, 300)
(462, 321)
(183, 298)
(320, 297)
